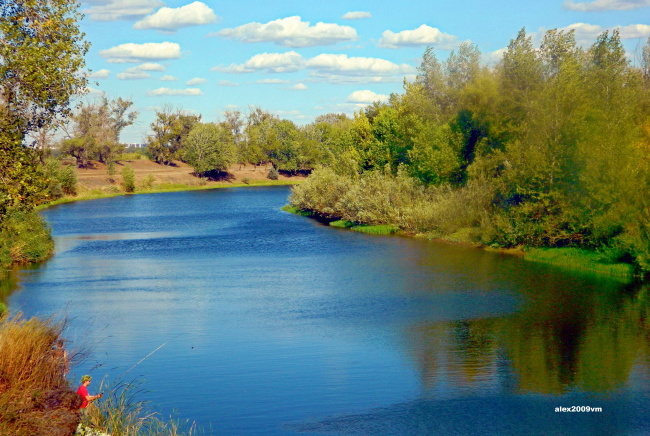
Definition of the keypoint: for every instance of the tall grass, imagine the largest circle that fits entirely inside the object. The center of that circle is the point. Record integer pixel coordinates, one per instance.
(120, 413)
(35, 398)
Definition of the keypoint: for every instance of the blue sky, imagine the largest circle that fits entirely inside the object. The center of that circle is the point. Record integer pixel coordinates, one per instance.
(300, 59)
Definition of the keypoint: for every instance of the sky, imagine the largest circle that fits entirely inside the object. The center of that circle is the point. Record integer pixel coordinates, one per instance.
(301, 59)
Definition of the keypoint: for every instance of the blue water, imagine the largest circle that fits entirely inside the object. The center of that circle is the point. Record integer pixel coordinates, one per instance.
(251, 321)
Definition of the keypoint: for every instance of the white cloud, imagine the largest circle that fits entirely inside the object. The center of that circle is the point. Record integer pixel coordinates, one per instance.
(168, 78)
(271, 62)
(299, 87)
(423, 35)
(142, 52)
(340, 63)
(112, 10)
(356, 15)
(133, 74)
(606, 5)
(174, 92)
(227, 83)
(149, 66)
(171, 19)
(272, 82)
(495, 56)
(366, 96)
(100, 74)
(195, 81)
(586, 34)
(290, 32)
(333, 68)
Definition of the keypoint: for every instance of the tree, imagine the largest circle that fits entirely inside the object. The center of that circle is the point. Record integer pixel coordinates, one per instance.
(96, 131)
(170, 128)
(209, 147)
(41, 61)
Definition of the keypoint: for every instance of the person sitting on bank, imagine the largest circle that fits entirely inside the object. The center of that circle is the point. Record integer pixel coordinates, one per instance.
(83, 391)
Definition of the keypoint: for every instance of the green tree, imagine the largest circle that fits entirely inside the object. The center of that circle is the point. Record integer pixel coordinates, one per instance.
(96, 131)
(169, 130)
(209, 147)
(41, 62)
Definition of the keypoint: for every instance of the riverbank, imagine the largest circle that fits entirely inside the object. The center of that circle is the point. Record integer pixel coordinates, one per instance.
(94, 181)
(572, 259)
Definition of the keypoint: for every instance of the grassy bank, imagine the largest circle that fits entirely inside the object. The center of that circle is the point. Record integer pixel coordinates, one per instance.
(580, 260)
(573, 259)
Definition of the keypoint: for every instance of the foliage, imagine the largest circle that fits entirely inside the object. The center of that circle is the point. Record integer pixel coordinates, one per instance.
(96, 131)
(128, 178)
(548, 149)
(209, 147)
(273, 174)
(62, 179)
(148, 181)
(24, 238)
(37, 77)
(169, 130)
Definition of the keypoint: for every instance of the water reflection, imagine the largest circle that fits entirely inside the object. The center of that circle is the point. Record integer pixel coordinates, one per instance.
(564, 339)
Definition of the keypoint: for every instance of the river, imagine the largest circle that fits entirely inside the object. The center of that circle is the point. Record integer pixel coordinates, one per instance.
(252, 321)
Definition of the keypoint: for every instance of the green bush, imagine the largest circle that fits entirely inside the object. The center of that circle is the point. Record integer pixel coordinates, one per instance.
(68, 180)
(24, 238)
(246, 180)
(128, 178)
(273, 174)
(148, 181)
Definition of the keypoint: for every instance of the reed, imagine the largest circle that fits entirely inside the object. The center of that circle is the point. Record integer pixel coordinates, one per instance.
(120, 413)
(35, 398)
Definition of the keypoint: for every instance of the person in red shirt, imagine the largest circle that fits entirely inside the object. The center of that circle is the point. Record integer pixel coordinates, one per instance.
(83, 391)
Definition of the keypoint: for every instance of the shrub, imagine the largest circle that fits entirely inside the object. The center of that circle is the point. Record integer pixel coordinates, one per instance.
(128, 178)
(273, 174)
(24, 238)
(246, 180)
(147, 182)
(110, 168)
(68, 180)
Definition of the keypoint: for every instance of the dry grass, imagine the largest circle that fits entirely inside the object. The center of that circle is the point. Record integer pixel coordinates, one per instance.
(35, 397)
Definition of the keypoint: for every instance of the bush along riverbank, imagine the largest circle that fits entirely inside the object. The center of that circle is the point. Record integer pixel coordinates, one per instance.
(24, 238)
(382, 203)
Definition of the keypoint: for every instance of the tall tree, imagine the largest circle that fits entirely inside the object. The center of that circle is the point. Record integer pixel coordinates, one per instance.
(169, 128)
(41, 62)
(209, 147)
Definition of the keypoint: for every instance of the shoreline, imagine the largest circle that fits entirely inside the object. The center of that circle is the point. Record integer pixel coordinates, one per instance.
(569, 258)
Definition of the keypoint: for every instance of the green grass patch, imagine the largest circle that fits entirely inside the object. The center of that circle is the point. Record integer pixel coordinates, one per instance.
(466, 235)
(342, 224)
(379, 229)
(580, 260)
(294, 210)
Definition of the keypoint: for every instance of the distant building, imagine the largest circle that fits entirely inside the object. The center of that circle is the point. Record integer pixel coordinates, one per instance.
(135, 145)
